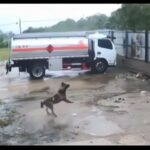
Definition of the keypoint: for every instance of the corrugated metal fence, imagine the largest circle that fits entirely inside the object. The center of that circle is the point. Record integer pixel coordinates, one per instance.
(133, 45)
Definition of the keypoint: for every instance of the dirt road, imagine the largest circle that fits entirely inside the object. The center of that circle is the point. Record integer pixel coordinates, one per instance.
(108, 109)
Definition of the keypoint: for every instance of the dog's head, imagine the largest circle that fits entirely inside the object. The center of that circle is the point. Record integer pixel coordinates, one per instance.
(64, 85)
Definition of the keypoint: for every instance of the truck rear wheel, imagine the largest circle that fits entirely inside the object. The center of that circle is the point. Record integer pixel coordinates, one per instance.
(100, 66)
(37, 71)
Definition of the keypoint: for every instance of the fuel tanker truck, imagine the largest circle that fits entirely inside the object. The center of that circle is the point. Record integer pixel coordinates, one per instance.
(35, 52)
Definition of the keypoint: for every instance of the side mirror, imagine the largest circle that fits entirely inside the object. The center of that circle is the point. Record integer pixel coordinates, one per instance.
(111, 37)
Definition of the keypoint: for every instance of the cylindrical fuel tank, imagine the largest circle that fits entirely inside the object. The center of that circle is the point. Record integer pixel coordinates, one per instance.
(24, 48)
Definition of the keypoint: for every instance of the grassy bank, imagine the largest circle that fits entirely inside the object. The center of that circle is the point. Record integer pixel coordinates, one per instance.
(4, 54)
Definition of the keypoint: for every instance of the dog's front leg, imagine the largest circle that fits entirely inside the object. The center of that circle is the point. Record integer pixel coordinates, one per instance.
(66, 100)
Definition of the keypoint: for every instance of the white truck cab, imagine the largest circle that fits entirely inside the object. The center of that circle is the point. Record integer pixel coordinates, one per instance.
(104, 52)
(104, 48)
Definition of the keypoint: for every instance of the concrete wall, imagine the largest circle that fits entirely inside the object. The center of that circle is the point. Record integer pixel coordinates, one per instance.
(133, 65)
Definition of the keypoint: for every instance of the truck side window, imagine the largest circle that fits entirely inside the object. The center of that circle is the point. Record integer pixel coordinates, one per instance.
(104, 43)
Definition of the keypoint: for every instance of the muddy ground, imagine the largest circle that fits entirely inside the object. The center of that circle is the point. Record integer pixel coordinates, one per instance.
(109, 109)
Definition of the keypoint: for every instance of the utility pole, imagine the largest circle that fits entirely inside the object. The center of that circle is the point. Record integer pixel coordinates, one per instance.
(20, 25)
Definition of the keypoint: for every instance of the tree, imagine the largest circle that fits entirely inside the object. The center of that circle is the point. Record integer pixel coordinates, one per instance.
(3, 40)
(131, 17)
(97, 21)
(102, 21)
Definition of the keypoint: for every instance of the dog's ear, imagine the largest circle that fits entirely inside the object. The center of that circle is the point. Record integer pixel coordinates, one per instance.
(62, 83)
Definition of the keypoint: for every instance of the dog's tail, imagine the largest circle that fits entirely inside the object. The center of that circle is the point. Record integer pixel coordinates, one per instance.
(42, 104)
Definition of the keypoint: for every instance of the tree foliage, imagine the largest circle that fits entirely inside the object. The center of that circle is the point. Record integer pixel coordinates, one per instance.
(3, 40)
(131, 17)
(98, 21)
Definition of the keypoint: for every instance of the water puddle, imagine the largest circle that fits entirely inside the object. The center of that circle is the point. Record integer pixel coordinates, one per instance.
(99, 126)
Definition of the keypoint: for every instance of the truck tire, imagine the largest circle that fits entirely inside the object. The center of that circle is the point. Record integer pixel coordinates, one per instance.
(100, 66)
(37, 71)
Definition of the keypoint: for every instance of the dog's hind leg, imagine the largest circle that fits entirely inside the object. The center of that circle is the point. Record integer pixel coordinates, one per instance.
(52, 110)
(54, 113)
(47, 111)
(67, 101)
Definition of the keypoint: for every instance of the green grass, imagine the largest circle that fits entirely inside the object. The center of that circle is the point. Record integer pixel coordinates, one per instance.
(4, 54)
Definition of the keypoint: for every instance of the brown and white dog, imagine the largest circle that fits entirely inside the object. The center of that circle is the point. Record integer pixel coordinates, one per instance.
(57, 98)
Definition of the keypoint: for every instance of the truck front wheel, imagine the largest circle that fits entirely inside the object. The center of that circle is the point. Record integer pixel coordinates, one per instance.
(37, 71)
(100, 66)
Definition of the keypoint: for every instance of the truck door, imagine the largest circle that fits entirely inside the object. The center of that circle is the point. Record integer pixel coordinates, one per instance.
(91, 49)
(104, 48)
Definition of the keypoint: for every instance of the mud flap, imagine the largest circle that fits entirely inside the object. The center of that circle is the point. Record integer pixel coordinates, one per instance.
(8, 67)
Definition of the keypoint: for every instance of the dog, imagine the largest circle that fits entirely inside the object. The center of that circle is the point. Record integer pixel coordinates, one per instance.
(57, 98)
